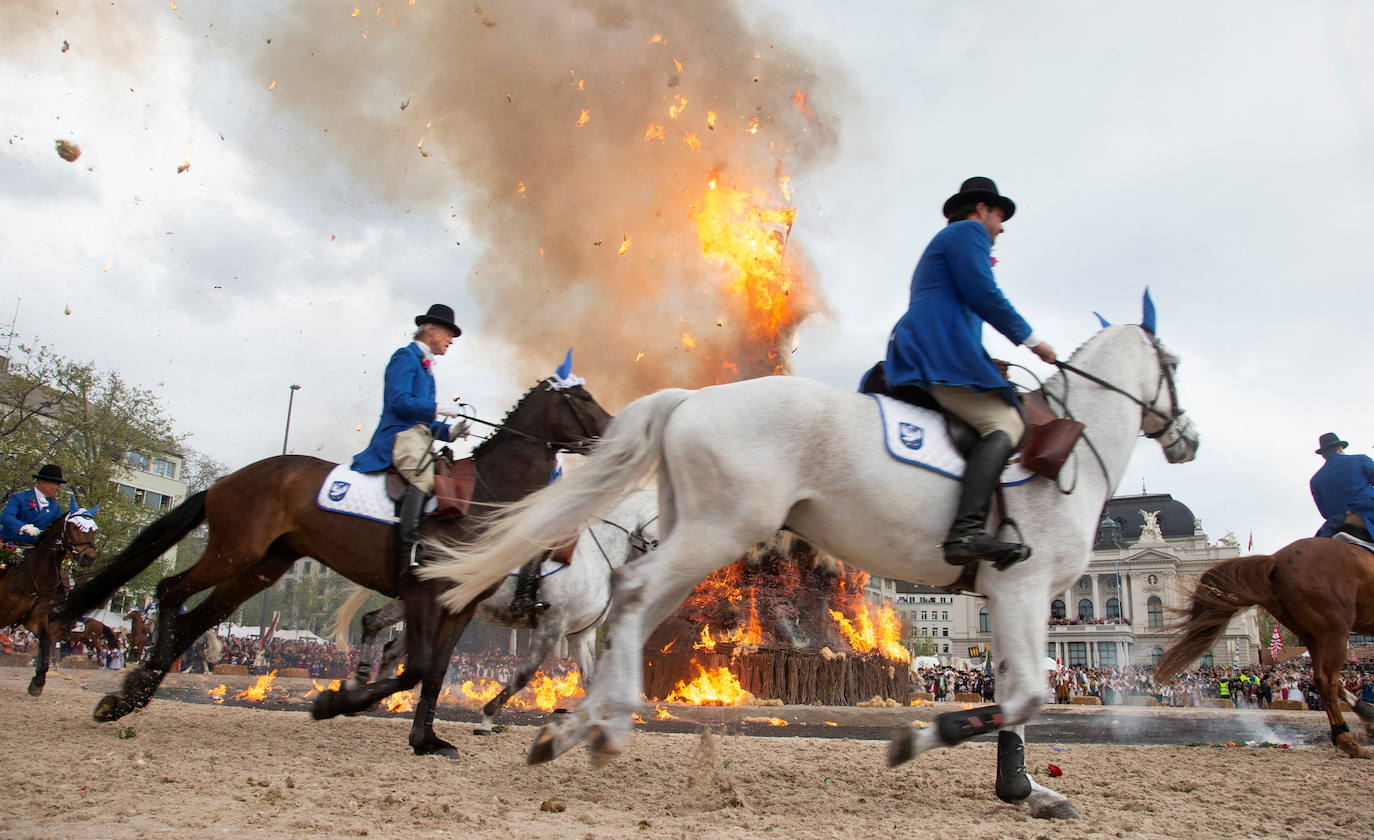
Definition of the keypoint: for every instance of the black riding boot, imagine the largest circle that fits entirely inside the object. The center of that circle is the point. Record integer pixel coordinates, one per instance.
(968, 542)
(524, 607)
(408, 528)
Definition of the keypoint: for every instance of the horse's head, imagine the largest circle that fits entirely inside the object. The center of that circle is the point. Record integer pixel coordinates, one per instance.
(1164, 420)
(78, 537)
(570, 416)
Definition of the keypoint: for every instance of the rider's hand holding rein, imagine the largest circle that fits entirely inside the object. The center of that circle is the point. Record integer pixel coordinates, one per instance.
(1044, 351)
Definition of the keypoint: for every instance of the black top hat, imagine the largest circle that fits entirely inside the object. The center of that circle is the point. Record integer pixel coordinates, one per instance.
(1328, 442)
(50, 472)
(980, 189)
(441, 315)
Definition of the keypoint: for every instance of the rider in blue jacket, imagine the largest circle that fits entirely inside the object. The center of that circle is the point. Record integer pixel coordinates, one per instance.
(407, 430)
(28, 512)
(1343, 490)
(938, 345)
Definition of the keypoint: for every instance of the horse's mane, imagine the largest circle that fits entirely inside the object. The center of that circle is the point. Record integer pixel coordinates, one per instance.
(486, 444)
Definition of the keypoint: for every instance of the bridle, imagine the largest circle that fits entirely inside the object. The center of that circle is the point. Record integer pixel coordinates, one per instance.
(1165, 381)
(584, 423)
(639, 546)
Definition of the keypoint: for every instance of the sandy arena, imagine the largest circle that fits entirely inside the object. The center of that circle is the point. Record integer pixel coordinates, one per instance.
(186, 770)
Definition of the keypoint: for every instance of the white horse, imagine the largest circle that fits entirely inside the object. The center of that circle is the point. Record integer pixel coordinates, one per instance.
(579, 597)
(737, 462)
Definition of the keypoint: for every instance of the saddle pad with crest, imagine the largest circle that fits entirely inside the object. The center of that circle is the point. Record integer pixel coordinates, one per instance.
(359, 494)
(918, 436)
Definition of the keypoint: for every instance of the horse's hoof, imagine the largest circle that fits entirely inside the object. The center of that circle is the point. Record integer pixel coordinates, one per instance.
(542, 750)
(1060, 809)
(109, 708)
(326, 706)
(902, 747)
(601, 745)
(35, 689)
(439, 748)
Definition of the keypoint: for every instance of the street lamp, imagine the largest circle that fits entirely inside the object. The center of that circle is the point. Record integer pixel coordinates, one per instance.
(291, 401)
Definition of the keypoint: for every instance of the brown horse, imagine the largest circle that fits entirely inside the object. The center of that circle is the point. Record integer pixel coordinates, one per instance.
(1321, 589)
(137, 635)
(264, 517)
(94, 635)
(29, 590)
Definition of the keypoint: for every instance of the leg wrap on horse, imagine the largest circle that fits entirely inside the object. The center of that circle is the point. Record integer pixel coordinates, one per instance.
(1337, 730)
(1012, 783)
(957, 727)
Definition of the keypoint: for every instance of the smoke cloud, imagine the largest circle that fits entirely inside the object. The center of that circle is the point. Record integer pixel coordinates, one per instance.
(588, 145)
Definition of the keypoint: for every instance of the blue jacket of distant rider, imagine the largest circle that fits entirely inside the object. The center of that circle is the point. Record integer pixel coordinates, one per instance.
(407, 399)
(939, 341)
(1345, 483)
(22, 509)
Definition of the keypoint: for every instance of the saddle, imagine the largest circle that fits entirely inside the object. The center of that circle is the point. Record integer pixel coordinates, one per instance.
(454, 483)
(1045, 447)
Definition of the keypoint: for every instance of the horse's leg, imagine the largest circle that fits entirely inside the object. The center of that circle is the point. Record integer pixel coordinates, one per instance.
(546, 634)
(176, 632)
(1018, 631)
(583, 647)
(644, 594)
(372, 624)
(41, 659)
(1328, 653)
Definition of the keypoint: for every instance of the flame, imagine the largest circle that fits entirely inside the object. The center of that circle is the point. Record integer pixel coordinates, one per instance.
(691, 140)
(711, 120)
(259, 689)
(654, 132)
(480, 691)
(829, 723)
(639, 356)
(583, 117)
(663, 714)
(771, 721)
(546, 692)
(218, 692)
(688, 342)
(400, 702)
(356, 11)
(716, 687)
(624, 244)
(676, 108)
(657, 39)
(520, 191)
(753, 127)
(799, 99)
(867, 635)
(666, 648)
(707, 641)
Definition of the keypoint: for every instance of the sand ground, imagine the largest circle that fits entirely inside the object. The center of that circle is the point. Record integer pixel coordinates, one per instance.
(210, 771)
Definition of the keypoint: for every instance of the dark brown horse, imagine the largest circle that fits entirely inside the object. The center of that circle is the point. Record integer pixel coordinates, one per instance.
(137, 635)
(1321, 589)
(29, 589)
(264, 517)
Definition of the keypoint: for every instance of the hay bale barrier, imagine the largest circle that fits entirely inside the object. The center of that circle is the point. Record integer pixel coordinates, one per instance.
(1086, 701)
(299, 673)
(796, 677)
(1288, 706)
(967, 697)
(228, 670)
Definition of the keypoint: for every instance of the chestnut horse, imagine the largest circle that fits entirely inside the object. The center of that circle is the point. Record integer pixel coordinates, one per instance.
(137, 635)
(264, 517)
(93, 635)
(1321, 589)
(29, 590)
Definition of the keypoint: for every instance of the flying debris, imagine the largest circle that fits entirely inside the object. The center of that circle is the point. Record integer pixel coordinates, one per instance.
(182, 167)
(68, 151)
(66, 46)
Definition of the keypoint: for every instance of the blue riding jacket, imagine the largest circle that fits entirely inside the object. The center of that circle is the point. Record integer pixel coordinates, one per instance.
(939, 341)
(1345, 483)
(22, 509)
(407, 399)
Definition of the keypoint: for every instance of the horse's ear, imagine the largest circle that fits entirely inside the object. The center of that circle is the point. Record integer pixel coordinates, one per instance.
(1147, 317)
(92, 511)
(1103, 321)
(565, 370)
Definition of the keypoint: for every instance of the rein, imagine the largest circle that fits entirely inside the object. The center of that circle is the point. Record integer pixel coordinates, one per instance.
(637, 543)
(553, 445)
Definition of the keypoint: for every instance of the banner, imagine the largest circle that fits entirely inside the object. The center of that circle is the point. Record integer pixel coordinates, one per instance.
(271, 629)
(1275, 644)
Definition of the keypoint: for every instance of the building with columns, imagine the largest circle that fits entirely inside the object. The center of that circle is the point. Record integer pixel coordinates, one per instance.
(1150, 551)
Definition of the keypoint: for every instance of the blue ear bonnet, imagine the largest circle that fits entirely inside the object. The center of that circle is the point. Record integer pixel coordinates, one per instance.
(1147, 315)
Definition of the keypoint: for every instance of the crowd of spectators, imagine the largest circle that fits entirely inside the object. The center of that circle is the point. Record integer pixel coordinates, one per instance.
(1251, 687)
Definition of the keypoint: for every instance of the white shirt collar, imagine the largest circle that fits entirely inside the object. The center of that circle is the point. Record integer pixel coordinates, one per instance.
(424, 350)
(42, 500)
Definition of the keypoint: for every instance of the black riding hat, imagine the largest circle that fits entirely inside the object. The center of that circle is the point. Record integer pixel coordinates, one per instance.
(980, 189)
(1328, 442)
(50, 472)
(441, 315)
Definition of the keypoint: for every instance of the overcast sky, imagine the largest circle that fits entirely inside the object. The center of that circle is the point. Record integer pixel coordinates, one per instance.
(1219, 153)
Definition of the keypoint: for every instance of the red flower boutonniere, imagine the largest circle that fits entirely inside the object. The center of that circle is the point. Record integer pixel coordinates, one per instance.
(992, 261)
(428, 363)
(33, 505)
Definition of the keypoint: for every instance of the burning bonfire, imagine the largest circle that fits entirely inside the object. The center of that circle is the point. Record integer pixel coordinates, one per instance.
(544, 693)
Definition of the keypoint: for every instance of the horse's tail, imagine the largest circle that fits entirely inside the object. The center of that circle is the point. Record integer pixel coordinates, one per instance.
(628, 455)
(1221, 592)
(151, 543)
(343, 616)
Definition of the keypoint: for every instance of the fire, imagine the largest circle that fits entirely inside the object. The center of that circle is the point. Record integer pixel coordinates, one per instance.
(259, 690)
(771, 721)
(624, 244)
(691, 140)
(679, 103)
(688, 342)
(548, 691)
(654, 132)
(400, 702)
(669, 646)
(639, 356)
(480, 691)
(678, 65)
(663, 714)
(747, 235)
(867, 636)
(218, 692)
(799, 99)
(711, 120)
(520, 191)
(583, 117)
(714, 687)
(657, 39)
(707, 641)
